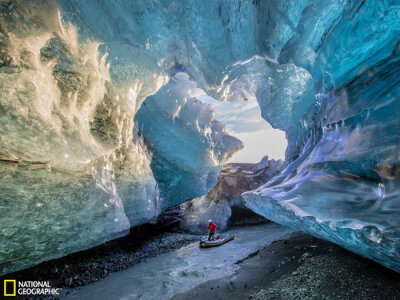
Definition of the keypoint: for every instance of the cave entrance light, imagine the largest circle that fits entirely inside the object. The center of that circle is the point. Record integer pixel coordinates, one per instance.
(244, 121)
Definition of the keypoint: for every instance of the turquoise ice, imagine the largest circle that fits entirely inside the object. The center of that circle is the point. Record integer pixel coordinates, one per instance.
(89, 87)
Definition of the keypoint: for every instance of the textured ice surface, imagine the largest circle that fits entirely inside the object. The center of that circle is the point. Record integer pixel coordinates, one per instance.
(70, 175)
(343, 182)
(74, 73)
(188, 145)
(72, 76)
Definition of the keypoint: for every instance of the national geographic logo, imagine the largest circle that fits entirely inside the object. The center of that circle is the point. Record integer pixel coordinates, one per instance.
(13, 287)
(10, 287)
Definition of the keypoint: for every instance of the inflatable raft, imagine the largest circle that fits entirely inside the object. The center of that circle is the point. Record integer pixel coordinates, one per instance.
(217, 242)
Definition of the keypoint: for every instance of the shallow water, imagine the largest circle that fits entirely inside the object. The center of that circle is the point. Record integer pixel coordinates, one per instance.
(168, 274)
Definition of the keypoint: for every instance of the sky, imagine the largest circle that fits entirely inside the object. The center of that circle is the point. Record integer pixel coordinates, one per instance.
(244, 121)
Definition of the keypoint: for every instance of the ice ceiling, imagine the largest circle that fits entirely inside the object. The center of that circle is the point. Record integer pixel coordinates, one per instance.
(105, 120)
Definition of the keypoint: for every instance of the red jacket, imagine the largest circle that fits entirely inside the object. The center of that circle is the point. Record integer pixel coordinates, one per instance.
(212, 226)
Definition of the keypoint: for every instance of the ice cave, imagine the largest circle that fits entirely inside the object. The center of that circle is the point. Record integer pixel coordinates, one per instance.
(111, 112)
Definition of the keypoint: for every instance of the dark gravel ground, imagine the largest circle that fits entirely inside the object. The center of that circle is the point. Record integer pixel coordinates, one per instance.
(91, 265)
(338, 275)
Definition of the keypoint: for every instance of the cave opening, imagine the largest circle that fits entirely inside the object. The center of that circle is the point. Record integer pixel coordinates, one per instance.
(243, 120)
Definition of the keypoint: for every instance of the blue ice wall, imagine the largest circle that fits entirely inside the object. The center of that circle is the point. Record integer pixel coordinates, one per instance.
(74, 74)
(188, 146)
(343, 183)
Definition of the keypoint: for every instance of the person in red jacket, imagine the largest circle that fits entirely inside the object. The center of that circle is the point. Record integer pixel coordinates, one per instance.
(212, 226)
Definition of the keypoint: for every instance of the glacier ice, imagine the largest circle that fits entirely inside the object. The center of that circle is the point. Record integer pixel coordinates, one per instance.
(341, 183)
(71, 177)
(72, 77)
(188, 145)
(77, 171)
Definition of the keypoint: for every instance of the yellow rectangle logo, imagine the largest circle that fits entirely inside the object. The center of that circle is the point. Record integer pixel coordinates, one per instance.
(14, 292)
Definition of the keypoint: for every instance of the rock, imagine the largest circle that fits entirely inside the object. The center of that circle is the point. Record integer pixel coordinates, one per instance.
(304, 257)
(223, 202)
